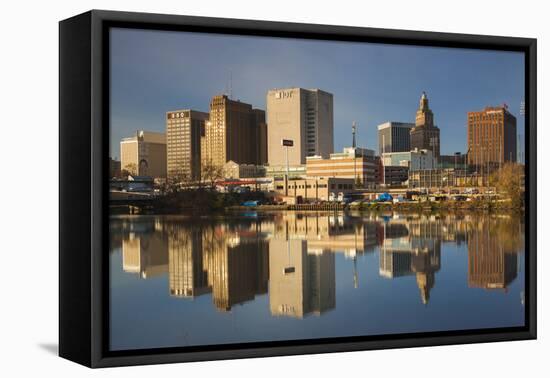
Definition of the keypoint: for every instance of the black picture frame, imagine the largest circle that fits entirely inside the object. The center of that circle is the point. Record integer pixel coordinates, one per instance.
(83, 195)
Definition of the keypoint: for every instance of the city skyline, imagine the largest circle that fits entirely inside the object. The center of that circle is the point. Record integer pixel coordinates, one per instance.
(151, 75)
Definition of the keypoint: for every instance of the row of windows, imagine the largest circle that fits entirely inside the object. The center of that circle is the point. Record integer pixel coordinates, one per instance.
(479, 117)
(177, 121)
(310, 186)
(306, 186)
(178, 140)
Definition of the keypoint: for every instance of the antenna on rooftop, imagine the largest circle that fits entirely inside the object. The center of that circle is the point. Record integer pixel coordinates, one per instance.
(231, 85)
(353, 131)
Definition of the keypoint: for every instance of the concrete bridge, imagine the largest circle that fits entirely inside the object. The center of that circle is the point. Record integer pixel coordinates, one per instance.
(131, 199)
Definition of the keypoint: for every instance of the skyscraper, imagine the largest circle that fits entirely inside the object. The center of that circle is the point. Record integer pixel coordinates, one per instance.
(183, 144)
(492, 137)
(304, 116)
(394, 137)
(425, 135)
(234, 131)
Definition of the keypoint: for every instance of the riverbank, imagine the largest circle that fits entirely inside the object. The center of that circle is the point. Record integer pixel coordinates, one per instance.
(425, 206)
(206, 201)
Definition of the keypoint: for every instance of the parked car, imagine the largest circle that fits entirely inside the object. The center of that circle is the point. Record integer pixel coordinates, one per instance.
(385, 197)
(252, 203)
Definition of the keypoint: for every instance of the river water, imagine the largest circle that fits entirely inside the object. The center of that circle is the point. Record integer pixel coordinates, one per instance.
(250, 277)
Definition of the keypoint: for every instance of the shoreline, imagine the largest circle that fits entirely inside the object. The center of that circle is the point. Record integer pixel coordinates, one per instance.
(405, 207)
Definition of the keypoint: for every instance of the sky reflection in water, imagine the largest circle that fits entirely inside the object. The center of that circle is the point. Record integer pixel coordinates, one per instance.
(179, 281)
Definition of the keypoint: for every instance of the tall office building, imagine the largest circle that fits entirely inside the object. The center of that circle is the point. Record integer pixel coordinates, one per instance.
(234, 131)
(394, 137)
(259, 132)
(425, 135)
(492, 137)
(183, 144)
(304, 116)
(144, 154)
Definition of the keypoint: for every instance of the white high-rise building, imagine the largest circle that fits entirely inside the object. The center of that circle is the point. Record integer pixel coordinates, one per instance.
(304, 116)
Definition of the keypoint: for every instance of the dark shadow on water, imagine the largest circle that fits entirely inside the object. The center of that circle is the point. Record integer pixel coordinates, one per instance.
(50, 348)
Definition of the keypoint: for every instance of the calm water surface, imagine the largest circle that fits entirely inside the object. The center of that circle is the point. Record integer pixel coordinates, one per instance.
(181, 281)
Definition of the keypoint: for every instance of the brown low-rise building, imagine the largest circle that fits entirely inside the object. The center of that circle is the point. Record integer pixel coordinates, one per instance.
(314, 188)
(232, 170)
(395, 175)
(357, 164)
(114, 168)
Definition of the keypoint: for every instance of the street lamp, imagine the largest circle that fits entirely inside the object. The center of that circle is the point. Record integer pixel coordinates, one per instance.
(353, 131)
(287, 143)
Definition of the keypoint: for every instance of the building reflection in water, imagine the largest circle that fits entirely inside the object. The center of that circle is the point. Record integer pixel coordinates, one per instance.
(301, 281)
(144, 250)
(326, 233)
(236, 263)
(412, 247)
(292, 255)
(187, 274)
(492, 254)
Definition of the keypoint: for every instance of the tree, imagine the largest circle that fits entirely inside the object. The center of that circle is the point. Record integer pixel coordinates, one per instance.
(508, 180)
(178, 178)
(129, 170)
(210, 173)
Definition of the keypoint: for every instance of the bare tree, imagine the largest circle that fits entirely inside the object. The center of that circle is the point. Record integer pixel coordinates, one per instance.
(210, 173)
(178, 179)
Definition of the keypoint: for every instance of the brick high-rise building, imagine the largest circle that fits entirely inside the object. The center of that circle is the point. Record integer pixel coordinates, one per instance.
(425, 135)
(235, 131)
(492, 138)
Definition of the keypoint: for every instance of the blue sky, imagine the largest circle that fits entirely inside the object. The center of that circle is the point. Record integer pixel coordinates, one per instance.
(156, 71)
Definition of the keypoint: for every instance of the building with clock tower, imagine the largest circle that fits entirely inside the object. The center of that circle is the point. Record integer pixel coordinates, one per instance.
(425, 135)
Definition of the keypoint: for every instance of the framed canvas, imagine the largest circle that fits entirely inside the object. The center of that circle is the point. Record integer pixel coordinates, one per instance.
(236, 188)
